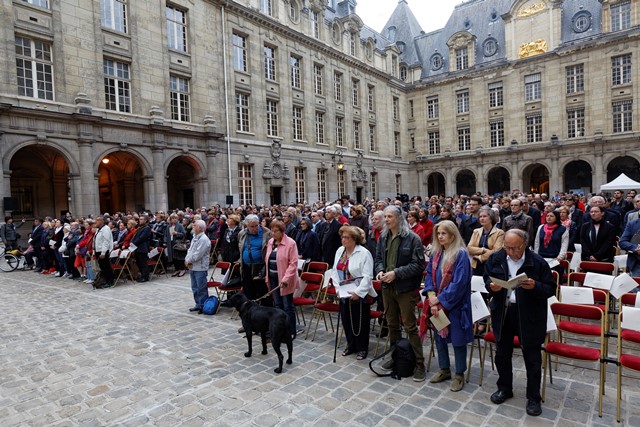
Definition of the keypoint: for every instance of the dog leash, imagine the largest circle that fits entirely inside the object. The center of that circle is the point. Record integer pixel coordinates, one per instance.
(268, 293)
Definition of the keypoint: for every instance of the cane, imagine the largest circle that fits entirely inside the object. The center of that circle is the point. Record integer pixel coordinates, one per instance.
(335, 347)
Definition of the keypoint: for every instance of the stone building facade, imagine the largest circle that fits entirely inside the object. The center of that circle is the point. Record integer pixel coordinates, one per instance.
(120, 105)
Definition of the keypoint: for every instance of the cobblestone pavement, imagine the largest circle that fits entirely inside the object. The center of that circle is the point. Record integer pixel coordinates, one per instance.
(134, 355)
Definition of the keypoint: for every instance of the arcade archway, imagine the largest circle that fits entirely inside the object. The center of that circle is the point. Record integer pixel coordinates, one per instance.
(627, 165)
(578, 177)
(121, 183)
(498, 180)
(465, 182)
(435, 184)
(182, 176)
(535, 178)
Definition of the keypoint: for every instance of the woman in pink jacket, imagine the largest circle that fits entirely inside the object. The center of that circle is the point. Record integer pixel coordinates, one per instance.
(282, 267)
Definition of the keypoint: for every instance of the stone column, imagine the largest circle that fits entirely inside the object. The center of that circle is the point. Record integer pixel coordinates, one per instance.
(210, 192)
(156, 196)
(148, 192)
(449, 183)
(5, 177)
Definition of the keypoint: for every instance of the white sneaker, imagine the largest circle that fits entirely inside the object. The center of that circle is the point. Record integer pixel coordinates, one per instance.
(89, 282)
(57, 274)
(86, 281)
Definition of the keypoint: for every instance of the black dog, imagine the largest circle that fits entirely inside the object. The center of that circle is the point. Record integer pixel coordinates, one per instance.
(256, 318)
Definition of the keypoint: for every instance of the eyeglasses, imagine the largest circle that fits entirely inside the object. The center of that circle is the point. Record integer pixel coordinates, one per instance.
(513, 248)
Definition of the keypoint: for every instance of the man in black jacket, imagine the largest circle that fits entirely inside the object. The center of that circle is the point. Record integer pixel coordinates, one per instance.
(141, 239)
(330, 238)
(399, 265)
(520, 312)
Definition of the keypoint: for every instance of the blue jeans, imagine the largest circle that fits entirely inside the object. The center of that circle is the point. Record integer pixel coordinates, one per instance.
(286, 303)
(460, 354)
(199, 287)
(62, 265)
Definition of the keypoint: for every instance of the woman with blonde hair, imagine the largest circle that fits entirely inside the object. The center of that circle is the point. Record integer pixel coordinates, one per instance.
(448, 288)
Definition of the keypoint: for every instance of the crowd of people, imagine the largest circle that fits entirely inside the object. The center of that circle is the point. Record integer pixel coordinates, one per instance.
(440, 241)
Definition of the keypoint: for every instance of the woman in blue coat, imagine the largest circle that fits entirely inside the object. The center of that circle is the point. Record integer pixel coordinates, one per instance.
(448, 287)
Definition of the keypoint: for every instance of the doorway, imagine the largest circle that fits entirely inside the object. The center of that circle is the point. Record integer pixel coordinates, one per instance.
(276, 195)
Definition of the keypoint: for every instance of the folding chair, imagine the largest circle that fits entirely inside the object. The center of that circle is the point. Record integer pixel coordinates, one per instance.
(224, 290)
(628, 341)
(490, 340)
(377, 314)
(317, 267)
(121, 266)
(213, 255)
(217, 275)
(156, 266)
(314, 284)
(601, 297)
(591, 322)
(597, 267)
(326, 304)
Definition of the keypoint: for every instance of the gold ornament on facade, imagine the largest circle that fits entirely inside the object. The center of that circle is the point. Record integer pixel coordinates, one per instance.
(532, 48)
(531, 10)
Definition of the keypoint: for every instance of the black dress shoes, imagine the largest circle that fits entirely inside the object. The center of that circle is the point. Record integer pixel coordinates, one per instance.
(534, 408)
(194, 309)
(501, 396)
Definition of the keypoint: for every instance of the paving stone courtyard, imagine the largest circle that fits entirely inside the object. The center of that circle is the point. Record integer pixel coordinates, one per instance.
(134, 355)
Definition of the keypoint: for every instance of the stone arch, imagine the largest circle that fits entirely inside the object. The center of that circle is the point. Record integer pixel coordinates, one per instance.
(40, 178)
(121, 180)
(184, 174)
(578, 175)
(465, 182)
(623, 164)
(436, 184)
(535, 178)
(74, 168)
(498, 180)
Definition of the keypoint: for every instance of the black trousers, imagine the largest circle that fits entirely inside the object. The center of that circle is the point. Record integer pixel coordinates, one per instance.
(504, 353)
(356, 319)
(105, 267)
(251, 288)
(142, 259)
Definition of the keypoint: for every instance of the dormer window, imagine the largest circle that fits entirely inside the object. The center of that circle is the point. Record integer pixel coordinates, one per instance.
(391, 33)
(403, 73)
(401, 46)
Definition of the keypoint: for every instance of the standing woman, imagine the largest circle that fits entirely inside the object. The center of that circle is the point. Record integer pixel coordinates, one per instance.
(597, 237)
(174, 233)
(485, 240)
(229, 244)
(354, 260)
(552, 238)
(448, 287)
(569, 224)
(282, 266)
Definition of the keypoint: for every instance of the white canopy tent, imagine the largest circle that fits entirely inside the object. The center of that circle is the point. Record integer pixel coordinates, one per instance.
(622, 182)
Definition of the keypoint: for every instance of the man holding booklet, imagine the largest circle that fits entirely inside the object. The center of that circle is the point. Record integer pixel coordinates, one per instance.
(519, 282)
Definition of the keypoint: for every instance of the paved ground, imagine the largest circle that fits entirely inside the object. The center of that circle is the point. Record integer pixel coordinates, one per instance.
(134, 355)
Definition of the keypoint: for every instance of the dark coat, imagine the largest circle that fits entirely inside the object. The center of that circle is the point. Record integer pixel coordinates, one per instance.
(603, 249)
(308, 245)
(330, 241)
(410, 263)
(532, 304)
(632, 228)
(142, 238)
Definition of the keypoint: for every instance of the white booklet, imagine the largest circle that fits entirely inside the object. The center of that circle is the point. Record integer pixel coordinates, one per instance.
(479, 309)
(553, 262)
(631, 318)
(622, 284)
(347, 286)
(440, 322)
(511, 283)
(576, 295)
(551, 321)
(477, 284)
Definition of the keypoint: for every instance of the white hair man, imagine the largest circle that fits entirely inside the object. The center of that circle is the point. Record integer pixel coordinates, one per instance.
(197, 260)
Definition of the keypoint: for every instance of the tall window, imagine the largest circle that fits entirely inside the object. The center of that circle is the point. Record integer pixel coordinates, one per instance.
(355, 92)
(412, 138)
(342, 181)
(621, 69)
(433, 108)
(301, 194)
(318, 77)
(373, 179)
(462, 101)
(353, 44)
(403, 73)
(411, 112)
(34, 68)
(396, 108)
(620, 16)
(272, 117)
(464, 139)
(462, 59)
(294, 63)
(495, 95)
(322, 184)
(398, 184)
(575, 78)
(357, 144)
(339, 131)
(315, 24)
(337, 85)
(575, 123)
(239, 52)
(394, 66)
(532, 87)
(396, 144)
(176, 28)
(622, 116)
(297, 123)
(534, 128)
(266, 7)
(269, 63)
(179, 95)
(242, 112)
(371, 98)
(372, 138)
(113, 15)
(117, 86)
(319, 127)
(496, 133)
(41, 3)
(434, 142)
(245, 187)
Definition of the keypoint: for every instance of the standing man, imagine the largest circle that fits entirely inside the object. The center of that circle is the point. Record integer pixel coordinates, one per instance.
(630, 242)
(330, 238)
(518, 219)
(197, 261)
(141, 240)
(36, 238)
(521, 312)
(253, 247)
(399, 264)
(470, 223)
(8, 233)
(103, 244)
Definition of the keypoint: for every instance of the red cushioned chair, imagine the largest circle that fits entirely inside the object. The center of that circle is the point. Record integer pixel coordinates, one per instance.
(626, 359)
(314, 284)
(325, 306)
(597, 267)
(490, 340)
(219, 270)
(582, 354)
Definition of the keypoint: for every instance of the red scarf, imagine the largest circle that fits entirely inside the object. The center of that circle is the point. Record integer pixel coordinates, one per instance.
(548, 233)
(447, 275)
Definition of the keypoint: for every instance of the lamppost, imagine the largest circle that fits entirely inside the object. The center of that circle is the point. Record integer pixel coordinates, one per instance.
(337, 163)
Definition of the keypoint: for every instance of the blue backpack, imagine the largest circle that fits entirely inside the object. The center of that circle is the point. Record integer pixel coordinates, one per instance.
(211, 305)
